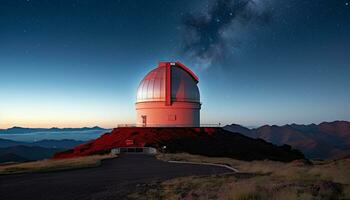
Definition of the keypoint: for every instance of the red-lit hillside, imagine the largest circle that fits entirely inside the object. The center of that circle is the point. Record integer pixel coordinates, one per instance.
(203, 141)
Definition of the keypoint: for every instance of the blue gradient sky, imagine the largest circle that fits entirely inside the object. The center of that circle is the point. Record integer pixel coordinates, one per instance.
(78, 63)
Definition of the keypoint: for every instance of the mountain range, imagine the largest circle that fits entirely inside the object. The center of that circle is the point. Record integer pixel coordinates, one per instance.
(16, 151)
(327, 140)
(61, 144)
(17, 145)
(37, 134)
(21, 130)
(25, 153)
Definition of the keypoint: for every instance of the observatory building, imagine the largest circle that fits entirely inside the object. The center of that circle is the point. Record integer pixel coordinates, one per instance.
(168, 96)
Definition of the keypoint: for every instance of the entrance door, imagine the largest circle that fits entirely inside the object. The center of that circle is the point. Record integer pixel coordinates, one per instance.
(144, 120)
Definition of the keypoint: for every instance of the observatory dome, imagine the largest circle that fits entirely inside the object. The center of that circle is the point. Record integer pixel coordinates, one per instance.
(168, 96)
(183, 85)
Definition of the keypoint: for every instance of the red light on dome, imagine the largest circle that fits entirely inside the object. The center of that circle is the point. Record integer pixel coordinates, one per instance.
(168, 96)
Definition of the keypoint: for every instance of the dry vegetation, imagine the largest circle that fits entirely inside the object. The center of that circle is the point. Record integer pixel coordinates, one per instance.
(256, 180)
(53, 164)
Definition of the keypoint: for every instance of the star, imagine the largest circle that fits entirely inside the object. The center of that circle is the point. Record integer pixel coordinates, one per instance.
(347, 4)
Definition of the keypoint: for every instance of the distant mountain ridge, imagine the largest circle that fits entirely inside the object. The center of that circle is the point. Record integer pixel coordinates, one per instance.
(327, 140)
(63, 144)
(16, 151)
(16, 143)
(20, 130)
(24, 153)
(11, 157)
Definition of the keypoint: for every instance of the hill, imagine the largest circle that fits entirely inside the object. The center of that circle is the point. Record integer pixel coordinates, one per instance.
(37, 134)
(15, 151)
(62, 144)
(202, 141)
(10, 143)
(11, 157)
(327, 140)
(28, 152)
(22, 130)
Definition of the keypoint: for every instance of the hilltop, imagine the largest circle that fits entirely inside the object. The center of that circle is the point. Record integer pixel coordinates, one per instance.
(201, 141)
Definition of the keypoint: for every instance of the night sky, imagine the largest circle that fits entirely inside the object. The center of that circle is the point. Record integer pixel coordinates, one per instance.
(78, 63)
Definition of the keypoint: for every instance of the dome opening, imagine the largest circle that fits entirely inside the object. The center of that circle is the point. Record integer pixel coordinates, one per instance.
(168, 96)
(183, 85)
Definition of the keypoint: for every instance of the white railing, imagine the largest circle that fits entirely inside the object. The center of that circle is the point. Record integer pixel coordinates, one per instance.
(163, 125)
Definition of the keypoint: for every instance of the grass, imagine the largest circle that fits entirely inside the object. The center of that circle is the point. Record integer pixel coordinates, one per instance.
(257, 180)
(53, 164)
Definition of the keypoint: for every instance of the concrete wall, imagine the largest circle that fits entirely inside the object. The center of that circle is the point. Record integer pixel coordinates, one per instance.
(132, 150)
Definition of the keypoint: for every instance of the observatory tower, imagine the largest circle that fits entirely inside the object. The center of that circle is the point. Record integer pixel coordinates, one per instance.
(168, 96)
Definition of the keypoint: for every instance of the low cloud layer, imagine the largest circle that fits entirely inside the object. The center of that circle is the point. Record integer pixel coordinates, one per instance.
(209, 36)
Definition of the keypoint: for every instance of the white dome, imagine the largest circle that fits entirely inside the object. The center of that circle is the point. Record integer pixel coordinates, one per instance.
(182, 80)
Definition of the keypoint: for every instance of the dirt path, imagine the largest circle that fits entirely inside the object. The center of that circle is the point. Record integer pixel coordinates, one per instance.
(113, 180)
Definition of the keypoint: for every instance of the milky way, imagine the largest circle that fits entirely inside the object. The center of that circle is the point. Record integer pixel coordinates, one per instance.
(209, 35)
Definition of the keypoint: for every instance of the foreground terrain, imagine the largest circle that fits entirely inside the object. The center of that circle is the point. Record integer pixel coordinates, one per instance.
(256, 180)
(53, 165)
(145, 177)
(114, 179)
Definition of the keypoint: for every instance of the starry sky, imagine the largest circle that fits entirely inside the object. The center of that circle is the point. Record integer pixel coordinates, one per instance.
(78, 63)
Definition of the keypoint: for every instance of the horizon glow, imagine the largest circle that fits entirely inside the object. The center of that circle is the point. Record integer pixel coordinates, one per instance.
(76, 65)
